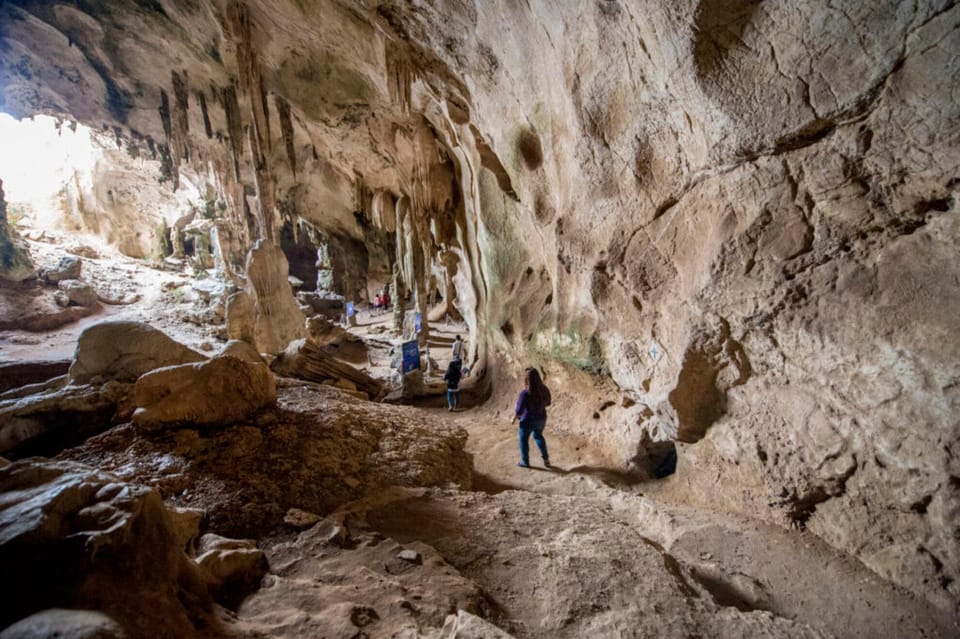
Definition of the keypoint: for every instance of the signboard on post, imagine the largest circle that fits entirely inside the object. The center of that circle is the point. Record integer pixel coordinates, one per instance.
(411, 356)
(417, 322)
(351, 309)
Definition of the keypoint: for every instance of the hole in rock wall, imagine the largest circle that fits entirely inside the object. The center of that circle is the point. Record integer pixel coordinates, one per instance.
(301, 254)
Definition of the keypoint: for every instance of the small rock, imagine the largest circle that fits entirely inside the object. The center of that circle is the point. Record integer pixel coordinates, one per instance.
(62, 299)
(68, 268)
(80, 293)
(410, 555)
(300, 518)
(362, 616)
(352, 482)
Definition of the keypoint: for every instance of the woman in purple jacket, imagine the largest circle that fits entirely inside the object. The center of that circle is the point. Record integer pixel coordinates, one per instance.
(532, 411)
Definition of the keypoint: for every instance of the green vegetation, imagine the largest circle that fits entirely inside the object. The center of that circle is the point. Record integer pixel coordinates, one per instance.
(572, 349)
(163, 240)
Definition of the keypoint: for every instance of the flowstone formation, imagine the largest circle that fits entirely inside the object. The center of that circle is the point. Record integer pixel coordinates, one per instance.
(728, 224)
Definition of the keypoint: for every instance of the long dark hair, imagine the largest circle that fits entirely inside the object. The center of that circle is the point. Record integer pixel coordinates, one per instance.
(538, 392)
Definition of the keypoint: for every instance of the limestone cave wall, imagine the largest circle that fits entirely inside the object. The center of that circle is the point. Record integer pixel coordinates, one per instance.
(732, 224)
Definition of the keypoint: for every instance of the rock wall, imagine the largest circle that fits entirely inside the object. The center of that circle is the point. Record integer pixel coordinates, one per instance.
(732, 224)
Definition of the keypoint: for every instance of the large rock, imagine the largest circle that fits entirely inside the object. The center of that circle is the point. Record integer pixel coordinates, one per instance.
(46, 422)
(124, 351)
(15, 262)
(78, 537)
(223, 390)
(57, 623)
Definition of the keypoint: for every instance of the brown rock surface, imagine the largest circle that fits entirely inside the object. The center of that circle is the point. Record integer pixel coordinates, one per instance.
(319, 449)
(221, 391)
(75, 536)
(124, 351)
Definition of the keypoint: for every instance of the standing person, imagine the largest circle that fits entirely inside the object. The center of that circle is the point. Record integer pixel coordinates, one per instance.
(452, 378)
(457, 349)
(532, 411)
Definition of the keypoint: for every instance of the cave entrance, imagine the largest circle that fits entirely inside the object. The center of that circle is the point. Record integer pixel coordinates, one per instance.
(45, 164)
(95, 189)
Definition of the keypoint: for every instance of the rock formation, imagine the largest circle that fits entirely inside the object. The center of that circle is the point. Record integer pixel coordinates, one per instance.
(73, 536)
(15, 264)
(729, 224)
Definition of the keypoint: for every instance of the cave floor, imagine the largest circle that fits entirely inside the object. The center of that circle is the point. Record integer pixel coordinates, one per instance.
(579, 550)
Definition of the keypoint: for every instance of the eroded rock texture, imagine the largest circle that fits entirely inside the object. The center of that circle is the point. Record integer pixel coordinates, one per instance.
(732, 224)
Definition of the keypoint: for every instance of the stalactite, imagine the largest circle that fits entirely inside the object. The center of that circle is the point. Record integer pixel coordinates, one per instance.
(164, 110)
(251, 83)
(180, 120)
(207, 127)
(263, 181)
(231, 109)
(286, 129)
(400, 75)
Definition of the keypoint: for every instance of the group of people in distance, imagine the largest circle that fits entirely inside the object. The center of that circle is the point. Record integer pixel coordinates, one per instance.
(531, 408)
(381, 302)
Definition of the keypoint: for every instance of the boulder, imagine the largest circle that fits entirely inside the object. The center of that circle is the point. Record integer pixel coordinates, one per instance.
(77, 537)
(68, 268)
(47, 422)
(239, 313)
(57, 623)
(233, 567)
(241, 350)
(223, 390)
(124, 351)
(79, 293)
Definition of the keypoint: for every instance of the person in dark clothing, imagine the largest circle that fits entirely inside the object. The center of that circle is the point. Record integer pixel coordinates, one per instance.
(452, 378)
(531, 410)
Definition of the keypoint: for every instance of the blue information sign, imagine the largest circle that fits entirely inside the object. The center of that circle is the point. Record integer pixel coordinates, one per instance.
(411, 356)
(417, 322)
(351, 311)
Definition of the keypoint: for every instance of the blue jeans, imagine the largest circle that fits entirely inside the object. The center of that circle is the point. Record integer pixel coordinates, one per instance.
(535, 428)
(453, 398)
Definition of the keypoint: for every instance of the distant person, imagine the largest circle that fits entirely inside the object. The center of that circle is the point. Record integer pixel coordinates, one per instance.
(385, 300)
(532, 411)
(452, 378)
(458, 349)
(377, 303)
